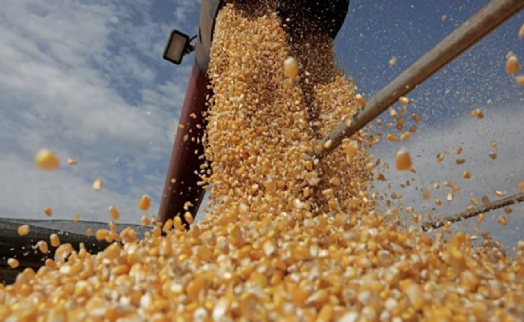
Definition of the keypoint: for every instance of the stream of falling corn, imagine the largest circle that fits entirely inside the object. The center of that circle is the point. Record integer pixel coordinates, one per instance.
(287, 238)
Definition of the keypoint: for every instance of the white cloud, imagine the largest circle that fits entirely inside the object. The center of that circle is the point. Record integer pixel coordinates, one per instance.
(86, 79)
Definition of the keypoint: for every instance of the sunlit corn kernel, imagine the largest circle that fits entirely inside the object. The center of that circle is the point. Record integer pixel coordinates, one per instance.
(403, 159)
(114, 213)
(492, 155)
(89, 232)
(500, 193)
(444, 17)
(508, 210)
(72, 161)
(520, 80)
(466, 175)
(145, 221)
(144, 203)
(101, 234)
(43, 247)
(391, 138)
(328, 144)
(405, 136)
(512, 65)
(438, 202)
(486, 201)
(46, 160)
(521, 186)
(291, 68)
(23, 230)
(404, 101)
(425, 194)
(97, 184)
(335, 181)
(55, 240)
(502, 220)
(521, 32)
(449, 197)
(392, 61)
(48, 211)
(351, 149)
(480, 217)
(76, 218)
(13, 263)
(360, 99)
(188, 217)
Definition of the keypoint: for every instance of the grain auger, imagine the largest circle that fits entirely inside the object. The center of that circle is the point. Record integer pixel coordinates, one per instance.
(181, 183)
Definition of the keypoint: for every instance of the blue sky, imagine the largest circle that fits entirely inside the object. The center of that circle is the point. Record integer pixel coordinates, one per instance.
(86, 79)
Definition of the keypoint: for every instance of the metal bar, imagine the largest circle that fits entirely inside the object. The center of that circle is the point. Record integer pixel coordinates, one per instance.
(508, 201)
(469, 33)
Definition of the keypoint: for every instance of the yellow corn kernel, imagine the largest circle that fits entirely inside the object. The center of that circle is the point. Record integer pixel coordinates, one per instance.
(97, 184)
(360, 99)
(404, 101)
(114, 213)
(48, 211)
(291, 68)
(512, 65)
(46, 160)
(23, 230)
(55, 240)
(403, 160)
(144, 203)
(13, 263)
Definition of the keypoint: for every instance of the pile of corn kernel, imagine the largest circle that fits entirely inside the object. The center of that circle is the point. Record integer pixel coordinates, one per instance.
(288, 238)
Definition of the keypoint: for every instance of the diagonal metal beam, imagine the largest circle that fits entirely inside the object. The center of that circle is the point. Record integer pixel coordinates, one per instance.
(501, 203)
(469, 33)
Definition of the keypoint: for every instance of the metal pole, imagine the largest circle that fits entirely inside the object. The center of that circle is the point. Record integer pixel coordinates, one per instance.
(508, 201)
(469, 33)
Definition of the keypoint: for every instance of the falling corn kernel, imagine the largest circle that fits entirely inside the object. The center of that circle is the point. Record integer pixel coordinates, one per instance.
(114, 213)
(393, 61)
(360, 99)
(391, 138)
(23, 230)
(502, 220)
(48, 211)
(55, 240)
(520, 80)
(89, 232)
(403, 159)
(188, 217)
(494, 144)
(521, 32)
(466, 175)
(72, 161)
(404, 101)
(13, 263)
(351, 149)
(97, 184)
(291, 68)
(425, 194)
(444, 17)
(492, 155)
(144, 203)
(76, 218)
(521, 186)
(481, 218)
(512, 65)
(500, 193)
(43, 247)
(46, 160)
(145, 221)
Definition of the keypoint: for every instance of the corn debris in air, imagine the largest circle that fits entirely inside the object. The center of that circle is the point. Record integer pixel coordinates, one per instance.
(288, 238)
(47, 160)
